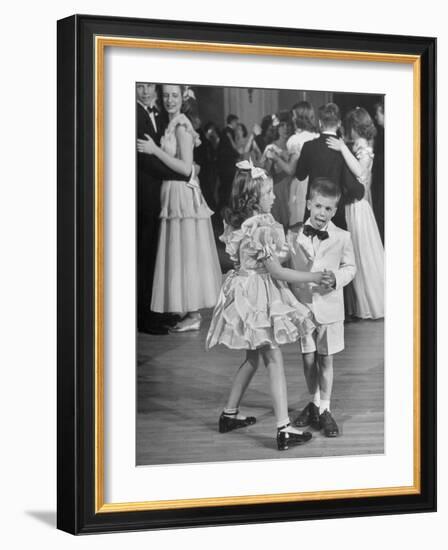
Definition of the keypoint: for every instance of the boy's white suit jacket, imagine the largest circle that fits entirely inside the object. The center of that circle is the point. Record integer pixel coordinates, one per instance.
(333, 254)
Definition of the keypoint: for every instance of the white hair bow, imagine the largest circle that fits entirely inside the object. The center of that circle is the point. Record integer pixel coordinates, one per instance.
(255, 171)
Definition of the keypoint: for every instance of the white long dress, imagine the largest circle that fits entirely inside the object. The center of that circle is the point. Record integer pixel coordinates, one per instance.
(187, 274)
(298, 189)
(368, 283)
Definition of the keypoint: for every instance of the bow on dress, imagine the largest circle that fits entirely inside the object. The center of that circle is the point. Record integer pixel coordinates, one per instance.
(193, 184)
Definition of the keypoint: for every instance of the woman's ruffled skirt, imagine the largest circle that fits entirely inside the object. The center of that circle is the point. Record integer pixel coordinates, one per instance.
(369, 255)
(187, 274)
(255, 311)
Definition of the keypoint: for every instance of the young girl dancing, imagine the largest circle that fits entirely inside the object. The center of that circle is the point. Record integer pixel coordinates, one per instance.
(256, 311)
(369, 251)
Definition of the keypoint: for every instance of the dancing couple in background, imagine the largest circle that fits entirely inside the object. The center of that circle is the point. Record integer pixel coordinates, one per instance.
(175, 232)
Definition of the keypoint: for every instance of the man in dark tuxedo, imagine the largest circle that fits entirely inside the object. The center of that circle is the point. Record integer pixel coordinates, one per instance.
(318, 160)
(150, 173)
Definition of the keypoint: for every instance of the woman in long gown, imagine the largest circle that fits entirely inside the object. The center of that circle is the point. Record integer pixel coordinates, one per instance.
(368, 283)
(262, 136)
(187, 275)
(304, 121)
(281, 178)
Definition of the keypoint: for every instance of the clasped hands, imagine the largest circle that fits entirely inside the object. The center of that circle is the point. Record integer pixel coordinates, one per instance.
(325, 278)
(328, 279)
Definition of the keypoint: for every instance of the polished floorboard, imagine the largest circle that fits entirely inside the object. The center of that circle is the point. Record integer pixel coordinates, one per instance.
(181, 390)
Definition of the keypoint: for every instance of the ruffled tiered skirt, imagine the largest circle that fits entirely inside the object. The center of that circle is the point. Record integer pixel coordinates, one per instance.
(369, 255)
(255, 311)
(187, 275)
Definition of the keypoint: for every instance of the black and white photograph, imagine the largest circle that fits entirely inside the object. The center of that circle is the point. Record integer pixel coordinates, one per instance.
(220, 309)
(260, 273)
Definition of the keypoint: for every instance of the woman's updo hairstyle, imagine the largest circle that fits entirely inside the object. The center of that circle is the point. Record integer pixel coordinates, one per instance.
(304, 116)
(285, 117)
(359, 120)
(189, 103)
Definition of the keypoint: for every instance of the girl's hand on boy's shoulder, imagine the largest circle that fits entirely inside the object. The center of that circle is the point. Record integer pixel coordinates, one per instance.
(337, 144)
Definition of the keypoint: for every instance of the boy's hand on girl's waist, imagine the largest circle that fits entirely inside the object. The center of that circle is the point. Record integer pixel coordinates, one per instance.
(284, 253)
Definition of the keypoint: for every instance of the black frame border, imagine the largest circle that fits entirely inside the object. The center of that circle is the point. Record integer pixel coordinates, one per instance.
(76, 262)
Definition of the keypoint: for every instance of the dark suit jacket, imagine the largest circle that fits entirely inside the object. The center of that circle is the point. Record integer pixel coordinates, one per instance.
(318, 160)
(150, 174)
(227, 155)
(150, 170)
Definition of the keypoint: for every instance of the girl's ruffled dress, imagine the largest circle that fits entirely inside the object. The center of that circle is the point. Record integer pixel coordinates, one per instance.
(254, 310)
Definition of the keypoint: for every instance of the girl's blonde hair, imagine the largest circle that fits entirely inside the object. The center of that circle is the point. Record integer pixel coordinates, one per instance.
(245, 197)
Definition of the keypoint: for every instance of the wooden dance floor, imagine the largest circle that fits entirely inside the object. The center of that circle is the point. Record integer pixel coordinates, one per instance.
(181, 390)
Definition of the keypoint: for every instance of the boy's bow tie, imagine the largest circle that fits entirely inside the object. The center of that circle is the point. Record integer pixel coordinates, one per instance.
(310, 231)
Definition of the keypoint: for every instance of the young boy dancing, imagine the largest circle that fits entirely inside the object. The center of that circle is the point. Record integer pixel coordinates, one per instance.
(320, 245)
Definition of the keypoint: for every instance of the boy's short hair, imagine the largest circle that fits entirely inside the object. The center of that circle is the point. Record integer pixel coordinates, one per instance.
(329, 114)
(231, 118)
(325, 187)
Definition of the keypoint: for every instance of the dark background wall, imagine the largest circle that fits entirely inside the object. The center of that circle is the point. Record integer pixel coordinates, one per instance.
(211, 104)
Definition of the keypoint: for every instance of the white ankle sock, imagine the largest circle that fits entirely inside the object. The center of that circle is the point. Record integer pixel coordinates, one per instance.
(283, 422)
(324, 405)
(315, 398)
